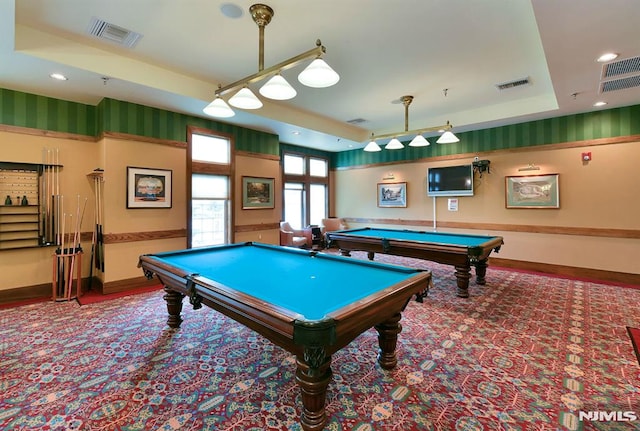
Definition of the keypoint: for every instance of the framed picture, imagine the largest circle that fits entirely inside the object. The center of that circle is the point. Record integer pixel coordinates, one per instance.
(532, 191)
(392, 195)
(257, 193)
(148, 188)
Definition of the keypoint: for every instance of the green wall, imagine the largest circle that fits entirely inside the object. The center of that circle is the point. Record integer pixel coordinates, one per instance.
(578, 127)
(110, 115)
(44, 113)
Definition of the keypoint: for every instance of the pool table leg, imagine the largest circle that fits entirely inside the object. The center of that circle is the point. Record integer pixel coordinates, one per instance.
(388, 339)
(463, 274)
(313, 382)
(481, 271)
(174, 307)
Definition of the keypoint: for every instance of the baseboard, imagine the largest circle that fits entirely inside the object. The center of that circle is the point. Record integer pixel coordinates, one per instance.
(128, 284)
(589, 274)
(43, 291)
(27, 293)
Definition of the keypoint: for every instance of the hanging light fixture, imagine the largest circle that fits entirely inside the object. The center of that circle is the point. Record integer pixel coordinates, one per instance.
(447, 138)
(245, 99)
(317, 74)
(219, 108)
(278, 88)
(419, 140)
(394, 144)
(372, 146)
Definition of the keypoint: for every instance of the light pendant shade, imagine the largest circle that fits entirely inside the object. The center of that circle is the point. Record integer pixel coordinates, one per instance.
(318, 74)
(394, 144)
(419, 141)
(447, 138)
(278, 88)
(372, 147)
(245, 99)
(219, 108)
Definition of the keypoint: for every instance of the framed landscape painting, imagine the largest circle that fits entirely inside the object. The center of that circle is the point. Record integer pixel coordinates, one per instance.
(148, 188)
(392, 195)
(257, 193)
(532, 191)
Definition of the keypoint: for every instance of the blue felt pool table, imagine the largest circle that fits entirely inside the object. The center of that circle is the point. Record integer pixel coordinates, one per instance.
(460, 250)
(311, 304)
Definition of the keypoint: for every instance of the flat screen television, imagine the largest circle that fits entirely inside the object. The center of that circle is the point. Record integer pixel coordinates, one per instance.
(450, 181)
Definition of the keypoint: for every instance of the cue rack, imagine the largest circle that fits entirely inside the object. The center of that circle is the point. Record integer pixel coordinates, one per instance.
(32, 214)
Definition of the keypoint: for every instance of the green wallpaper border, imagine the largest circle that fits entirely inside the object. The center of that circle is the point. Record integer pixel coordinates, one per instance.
(609, 123)
(111, 115)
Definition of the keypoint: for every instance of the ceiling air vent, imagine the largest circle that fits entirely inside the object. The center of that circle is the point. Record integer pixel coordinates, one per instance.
(113, 33)
(513, 84)
(620, 84)
(621, 67)
(356, 121)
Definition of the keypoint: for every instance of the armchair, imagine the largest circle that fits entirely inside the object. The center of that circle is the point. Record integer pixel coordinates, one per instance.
(332, 224)
(294, 237)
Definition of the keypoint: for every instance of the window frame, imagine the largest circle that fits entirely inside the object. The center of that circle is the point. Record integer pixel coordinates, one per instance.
(210, 168)
(307, 180)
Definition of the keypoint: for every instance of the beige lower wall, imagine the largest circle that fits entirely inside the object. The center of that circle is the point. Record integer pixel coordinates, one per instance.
(78, 158)
(30, 267)
(599, 194)
(255, 166)
(121, 258)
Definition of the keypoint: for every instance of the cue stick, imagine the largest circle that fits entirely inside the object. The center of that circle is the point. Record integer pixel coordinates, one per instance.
(42, 202)
(48, 199)
(61, 261)
(100, 236)
(93, 238)
(68, 258)
(74, 241)
(97, 262)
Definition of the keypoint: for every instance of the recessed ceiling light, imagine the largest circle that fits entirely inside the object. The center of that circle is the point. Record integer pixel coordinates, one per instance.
(58, 76)
(600, 103)
(231, 10)
(295, 132)
(607, 57)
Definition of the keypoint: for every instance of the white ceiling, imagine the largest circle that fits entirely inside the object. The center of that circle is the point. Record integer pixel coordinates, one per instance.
(382, 50)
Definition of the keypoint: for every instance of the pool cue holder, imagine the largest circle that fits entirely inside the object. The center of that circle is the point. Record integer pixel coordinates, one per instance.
(65, 262)
(27, 202)
(19, 209)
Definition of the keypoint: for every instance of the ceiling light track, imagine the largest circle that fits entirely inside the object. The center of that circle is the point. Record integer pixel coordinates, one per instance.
(317, 74)
(418, 141)
(319, 50)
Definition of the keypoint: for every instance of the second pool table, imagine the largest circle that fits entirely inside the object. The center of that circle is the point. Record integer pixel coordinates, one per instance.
(311, 304)
(460, 250)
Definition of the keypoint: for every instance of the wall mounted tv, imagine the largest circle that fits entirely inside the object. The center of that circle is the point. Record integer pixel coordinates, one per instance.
(450, 181)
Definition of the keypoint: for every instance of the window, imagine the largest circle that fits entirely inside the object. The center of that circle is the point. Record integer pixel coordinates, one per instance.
(306, 189)
(294, 204)
(293, 165)
(210, 210)
(210, 149)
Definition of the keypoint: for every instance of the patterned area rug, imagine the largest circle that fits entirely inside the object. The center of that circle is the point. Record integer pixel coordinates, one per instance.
(524, 352)
(634, 334)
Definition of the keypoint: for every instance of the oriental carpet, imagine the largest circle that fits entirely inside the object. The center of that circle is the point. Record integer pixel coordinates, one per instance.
(524, 352)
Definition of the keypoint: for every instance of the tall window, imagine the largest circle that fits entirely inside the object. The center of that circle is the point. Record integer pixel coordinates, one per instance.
(306, 189)
(210, 220)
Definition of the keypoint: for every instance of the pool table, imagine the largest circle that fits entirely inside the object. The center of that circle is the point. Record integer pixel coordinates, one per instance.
(311, 304)
(459, 250)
